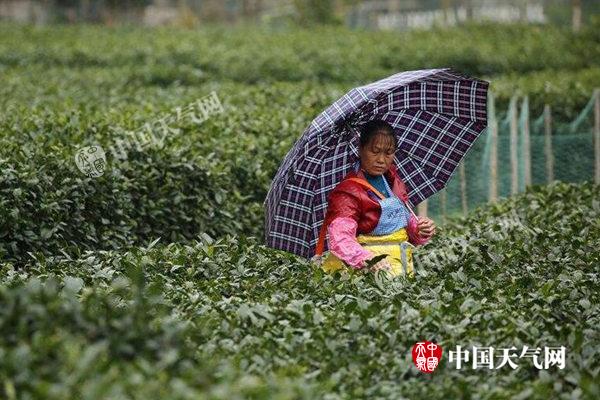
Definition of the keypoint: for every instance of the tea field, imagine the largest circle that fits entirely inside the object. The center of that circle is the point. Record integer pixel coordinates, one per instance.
(152, 280)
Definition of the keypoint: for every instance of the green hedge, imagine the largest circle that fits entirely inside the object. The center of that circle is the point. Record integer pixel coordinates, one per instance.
(520, 272)
(63, 339)
(47, 205)
(325, 54)
(567, 92)
(211, 177)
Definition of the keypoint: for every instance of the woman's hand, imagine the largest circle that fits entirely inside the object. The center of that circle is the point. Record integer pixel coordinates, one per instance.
(426, 227)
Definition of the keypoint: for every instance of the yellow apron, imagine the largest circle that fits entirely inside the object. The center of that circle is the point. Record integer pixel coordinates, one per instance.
(396, 245)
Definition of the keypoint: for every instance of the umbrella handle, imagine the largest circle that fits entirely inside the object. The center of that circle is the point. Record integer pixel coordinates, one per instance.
(410, 209)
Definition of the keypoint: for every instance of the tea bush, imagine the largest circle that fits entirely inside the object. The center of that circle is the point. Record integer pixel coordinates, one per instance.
(210, 177)
(326, 54)
(520, 272)
(152, 281)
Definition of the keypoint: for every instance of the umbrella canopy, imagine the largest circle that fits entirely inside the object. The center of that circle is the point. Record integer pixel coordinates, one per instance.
(437, 114)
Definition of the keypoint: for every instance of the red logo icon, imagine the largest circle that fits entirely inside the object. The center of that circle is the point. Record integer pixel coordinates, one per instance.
(426, 356)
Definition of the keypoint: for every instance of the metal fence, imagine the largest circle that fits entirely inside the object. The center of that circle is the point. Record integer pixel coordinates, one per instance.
(519, 150)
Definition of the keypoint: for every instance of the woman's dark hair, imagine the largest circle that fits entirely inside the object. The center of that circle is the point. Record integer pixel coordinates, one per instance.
(373, 127)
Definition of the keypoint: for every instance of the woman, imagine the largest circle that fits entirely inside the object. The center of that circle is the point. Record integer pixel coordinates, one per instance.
(370, 201)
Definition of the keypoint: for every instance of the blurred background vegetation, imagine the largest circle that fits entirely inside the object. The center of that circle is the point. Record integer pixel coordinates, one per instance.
(367, 14)
(71, 70)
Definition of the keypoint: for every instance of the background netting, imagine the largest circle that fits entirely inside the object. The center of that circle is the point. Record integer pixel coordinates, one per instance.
(572, 145)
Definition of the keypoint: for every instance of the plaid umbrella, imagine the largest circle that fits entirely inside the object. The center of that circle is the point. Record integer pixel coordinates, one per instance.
(437, 114)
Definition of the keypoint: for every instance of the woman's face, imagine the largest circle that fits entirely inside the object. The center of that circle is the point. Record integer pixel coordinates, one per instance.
(377, 155)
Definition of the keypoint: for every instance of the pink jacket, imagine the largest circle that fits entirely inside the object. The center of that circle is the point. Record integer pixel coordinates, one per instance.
(342, 227)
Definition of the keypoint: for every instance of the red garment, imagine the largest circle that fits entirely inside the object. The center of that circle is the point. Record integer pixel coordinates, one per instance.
(350, 199)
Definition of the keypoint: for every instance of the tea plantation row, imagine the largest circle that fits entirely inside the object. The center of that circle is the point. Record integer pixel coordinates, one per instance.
(325, 54)
(553, 63)
(227, 318)
(151, 281)
(210, 177)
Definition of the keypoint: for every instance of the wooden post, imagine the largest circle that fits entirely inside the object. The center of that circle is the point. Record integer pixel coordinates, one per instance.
(548, 144)
(493, 194)
(443, 204)
(526, 143)
(463, 187)
(469, 7)
(576, 6)
(597, 135)
(514, 162)
(446, 8)
(523, 11)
